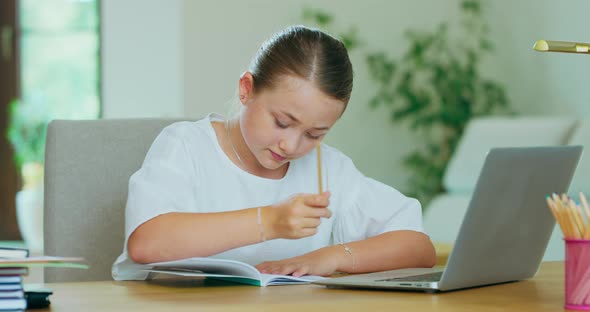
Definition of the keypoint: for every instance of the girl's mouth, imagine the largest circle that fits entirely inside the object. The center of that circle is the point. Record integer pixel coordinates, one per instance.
(277, 157)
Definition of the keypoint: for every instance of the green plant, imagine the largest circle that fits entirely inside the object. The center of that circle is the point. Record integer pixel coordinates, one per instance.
(436, 87)
(27, 129)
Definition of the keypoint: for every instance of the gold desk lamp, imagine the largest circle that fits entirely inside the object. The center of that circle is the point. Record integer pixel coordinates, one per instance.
(561, 46)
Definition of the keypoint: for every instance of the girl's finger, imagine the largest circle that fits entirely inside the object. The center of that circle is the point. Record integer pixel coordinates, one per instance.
(265, 267)
(317, 200)
(309, 231)
(311, 222)
(287, 269)
(304, 270)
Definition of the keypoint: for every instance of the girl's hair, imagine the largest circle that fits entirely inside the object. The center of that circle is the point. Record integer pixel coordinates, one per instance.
(308, 54)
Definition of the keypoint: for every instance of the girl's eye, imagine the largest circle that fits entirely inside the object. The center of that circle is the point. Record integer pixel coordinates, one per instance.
(280, 125)
(314, 137)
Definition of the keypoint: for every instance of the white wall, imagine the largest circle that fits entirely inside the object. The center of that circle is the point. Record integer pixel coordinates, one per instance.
(222, 36)
(183, 58)
(142, 58)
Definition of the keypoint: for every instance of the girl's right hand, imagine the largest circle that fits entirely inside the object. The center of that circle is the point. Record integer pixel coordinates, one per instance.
(297, 217)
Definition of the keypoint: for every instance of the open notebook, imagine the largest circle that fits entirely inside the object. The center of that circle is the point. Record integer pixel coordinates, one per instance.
(228, 270)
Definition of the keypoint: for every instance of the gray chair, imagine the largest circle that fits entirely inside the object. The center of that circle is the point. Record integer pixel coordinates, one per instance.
(87, 169)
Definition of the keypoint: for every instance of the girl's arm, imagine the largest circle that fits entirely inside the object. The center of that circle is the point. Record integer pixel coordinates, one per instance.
(388, 251)
(175, 235)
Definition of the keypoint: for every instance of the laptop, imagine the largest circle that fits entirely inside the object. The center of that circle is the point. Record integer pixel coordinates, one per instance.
(505, 230)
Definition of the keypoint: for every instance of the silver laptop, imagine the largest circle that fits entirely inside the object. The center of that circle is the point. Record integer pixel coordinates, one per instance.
(505, 230)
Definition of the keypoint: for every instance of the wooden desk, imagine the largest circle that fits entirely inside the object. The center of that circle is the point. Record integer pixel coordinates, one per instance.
(443, 251)
(543, 293)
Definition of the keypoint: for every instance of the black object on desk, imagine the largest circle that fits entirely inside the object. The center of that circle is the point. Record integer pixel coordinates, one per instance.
(38, 298)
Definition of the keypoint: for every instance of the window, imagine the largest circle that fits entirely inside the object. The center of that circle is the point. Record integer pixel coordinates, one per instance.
(60, 50)
(56, 49)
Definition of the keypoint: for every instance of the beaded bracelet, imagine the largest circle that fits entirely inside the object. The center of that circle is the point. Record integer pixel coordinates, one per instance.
(349, 251)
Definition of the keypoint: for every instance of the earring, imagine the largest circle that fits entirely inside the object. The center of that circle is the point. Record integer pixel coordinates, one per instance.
(242, 97)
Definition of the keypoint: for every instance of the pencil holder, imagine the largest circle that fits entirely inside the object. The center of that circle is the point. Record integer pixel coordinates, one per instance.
(577, 274)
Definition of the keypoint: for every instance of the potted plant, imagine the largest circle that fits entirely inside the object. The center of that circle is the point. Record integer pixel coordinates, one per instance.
(436, 86)
(26, 132)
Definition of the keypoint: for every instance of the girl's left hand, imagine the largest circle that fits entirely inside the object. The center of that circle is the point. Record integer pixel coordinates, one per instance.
(322, 262)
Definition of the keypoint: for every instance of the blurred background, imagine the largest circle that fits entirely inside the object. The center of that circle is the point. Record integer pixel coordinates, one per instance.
(423, 69)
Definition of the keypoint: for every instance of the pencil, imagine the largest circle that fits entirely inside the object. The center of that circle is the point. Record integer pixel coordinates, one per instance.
(319, 154)
(563, 217)
(587, 211)
(561, 46)
(573, 219)
(556, 214)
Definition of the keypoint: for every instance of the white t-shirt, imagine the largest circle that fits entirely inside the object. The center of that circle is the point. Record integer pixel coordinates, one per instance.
(186, 170)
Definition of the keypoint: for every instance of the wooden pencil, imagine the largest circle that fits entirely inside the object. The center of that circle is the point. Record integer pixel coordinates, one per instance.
(319, 154)
(555, 213)
(563, 218)
(587, 211)
(576, 212)
(571, 216)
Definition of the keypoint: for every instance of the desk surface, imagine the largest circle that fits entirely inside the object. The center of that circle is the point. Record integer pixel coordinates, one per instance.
(443, 250)
(542, 293)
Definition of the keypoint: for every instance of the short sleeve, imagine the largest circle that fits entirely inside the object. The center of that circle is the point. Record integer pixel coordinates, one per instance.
(163, 184)
(369, 208)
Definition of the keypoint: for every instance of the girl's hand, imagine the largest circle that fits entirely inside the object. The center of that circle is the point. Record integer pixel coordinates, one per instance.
(322, 262)
(297, 217)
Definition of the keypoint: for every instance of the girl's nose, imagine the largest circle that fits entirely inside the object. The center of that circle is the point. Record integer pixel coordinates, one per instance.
(289, 144)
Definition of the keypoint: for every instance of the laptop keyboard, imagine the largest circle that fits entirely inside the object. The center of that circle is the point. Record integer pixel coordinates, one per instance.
(430, 277)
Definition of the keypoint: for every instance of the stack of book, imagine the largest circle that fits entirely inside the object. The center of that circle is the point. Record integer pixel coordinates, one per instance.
(12, 294)
(14, 264)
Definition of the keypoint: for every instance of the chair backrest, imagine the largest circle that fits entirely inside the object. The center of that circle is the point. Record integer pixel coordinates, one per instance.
(87, 169)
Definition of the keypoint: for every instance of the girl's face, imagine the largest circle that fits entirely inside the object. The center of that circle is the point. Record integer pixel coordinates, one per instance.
(285, 122)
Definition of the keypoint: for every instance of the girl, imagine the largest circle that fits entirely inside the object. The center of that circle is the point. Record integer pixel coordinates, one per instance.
(243, 188)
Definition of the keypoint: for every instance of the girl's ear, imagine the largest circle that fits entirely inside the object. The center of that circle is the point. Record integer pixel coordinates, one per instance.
(246, 87)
